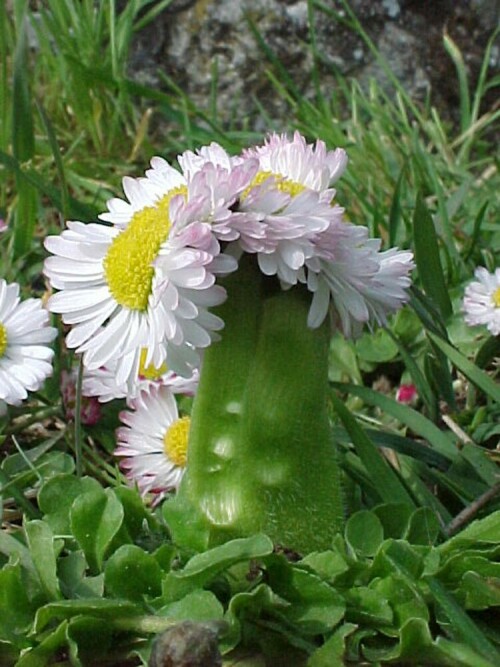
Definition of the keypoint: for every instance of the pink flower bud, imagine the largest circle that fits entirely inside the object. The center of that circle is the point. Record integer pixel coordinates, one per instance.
(407, 394)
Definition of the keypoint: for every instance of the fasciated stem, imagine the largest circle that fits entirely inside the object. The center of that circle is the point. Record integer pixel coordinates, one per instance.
(261, 456)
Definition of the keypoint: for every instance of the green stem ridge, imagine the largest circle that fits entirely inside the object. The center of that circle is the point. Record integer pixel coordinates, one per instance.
(261, 456)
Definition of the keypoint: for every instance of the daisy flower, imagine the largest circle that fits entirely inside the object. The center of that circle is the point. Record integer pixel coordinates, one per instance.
(353, 280)
(115, 295)
(153, 442)
(102, 382)
(481, 303)
(25, 335)
(291, 194)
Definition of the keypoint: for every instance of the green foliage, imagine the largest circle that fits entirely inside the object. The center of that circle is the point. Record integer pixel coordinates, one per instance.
(386, 590)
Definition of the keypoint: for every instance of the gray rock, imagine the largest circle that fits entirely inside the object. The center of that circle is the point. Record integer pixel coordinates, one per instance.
(194, 40)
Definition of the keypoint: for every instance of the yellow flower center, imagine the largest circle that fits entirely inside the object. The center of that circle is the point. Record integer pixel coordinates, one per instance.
(495, 297)
(175, 441)
(3, 339)
(128, 265)
(150, 372)
(280, 182)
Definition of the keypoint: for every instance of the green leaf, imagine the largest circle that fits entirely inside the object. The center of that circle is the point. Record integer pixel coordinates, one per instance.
(57, 495)
(132, 574)
(386, 480)
(332, 653)
(136, 516)
(416, 643)
(482, 530)
(98, 607)
(73, 582)
(196, 606)
(16, 610)
(468, 368)
(403, 596)
(202, 568)
(96, 517)
(90, 640)
(41, 544)
(12, 547)
(316, 607)
(326, 564)
(461, 623)
(377, 347)
(364, 533)
(427, 258)
(42, 655)
(480, 592)
(394, 518)
(423, 527)
(469, 560)
(398, 556)
(249, 605)
(367, 607)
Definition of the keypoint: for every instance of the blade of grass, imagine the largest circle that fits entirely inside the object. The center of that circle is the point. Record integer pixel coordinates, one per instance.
(481, 88)
(468, 368)
(280, 69)
(395, 213)
(398, 443)
(488, 351)
(463, 85)
(427, 258)
(411, 418)
(23, 138)
(51, 136)
(21, 501)
(427, 312)
(478, 221)
(461, 623)
(77, 210)
(78, 421)
(424, 390)
(386, 481)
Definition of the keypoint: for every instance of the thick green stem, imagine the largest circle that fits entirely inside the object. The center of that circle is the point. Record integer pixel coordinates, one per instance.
(261, 456)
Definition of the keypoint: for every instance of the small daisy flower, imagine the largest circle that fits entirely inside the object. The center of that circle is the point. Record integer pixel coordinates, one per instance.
(291, 194)
(313, 167)
(25, 335)
(481, 303)
(102, 382)
(153, 442)
(114, 295)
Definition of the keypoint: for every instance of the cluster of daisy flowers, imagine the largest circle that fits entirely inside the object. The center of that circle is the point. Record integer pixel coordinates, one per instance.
(137, 291)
